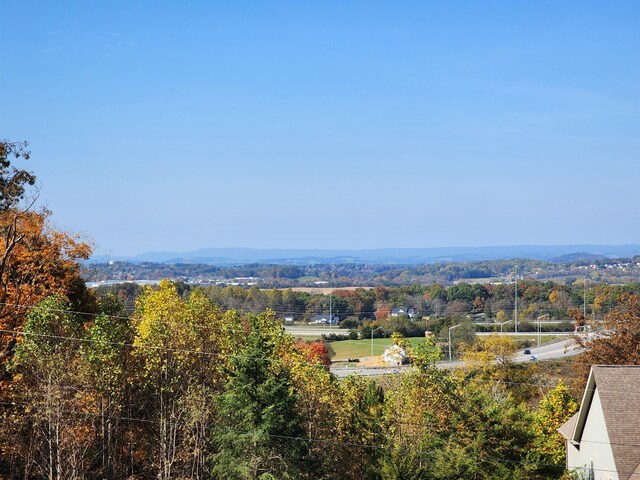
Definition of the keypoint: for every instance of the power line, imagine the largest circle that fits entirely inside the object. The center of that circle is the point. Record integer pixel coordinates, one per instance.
(404, 423)
(327, 441)
(165, 321)
(268, 359)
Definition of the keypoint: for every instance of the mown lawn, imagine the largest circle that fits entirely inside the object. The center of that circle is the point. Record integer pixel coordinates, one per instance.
(346, 349)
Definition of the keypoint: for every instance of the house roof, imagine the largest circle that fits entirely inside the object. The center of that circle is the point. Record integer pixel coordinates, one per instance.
(325, 317)
(402, 310)
(567, 428)
(618, 388)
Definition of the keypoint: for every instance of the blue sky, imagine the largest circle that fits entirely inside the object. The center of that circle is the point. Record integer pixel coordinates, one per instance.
(180, 125)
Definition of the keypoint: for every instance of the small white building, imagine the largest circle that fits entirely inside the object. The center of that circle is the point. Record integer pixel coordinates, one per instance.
(409, 312)
(603, 438)
(324, 319)
(394, 355)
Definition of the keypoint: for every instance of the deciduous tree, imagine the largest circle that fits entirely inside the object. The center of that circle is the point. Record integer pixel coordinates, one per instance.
(554, 410)
(619, 343)
(489, 350)
(181, 346)
(36, 260)
(14, 182)
(52, 409)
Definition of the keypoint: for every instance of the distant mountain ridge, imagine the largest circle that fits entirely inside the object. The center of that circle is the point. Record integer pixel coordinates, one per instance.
(242, 256)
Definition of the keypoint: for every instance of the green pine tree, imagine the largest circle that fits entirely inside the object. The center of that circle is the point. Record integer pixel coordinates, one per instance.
(259, 433)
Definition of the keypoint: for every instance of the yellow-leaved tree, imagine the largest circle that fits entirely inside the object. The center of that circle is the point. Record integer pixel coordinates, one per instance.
(182, 346)
(554, 410)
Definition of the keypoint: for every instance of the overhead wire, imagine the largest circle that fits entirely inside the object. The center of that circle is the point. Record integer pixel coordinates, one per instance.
(187, 350)
(166, 321)
(324, 440)
(247, 357)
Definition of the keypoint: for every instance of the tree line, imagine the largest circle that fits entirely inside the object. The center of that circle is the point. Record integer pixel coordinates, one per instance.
(487, 302)
(597, 270)
(183, 389)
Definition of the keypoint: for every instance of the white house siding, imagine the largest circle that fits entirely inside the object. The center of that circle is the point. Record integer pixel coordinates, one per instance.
(594, 446)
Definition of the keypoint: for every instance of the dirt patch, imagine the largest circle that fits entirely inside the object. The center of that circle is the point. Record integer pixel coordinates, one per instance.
(372, 362)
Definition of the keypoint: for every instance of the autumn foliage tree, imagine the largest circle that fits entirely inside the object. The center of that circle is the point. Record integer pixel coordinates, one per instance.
(620, 342)
(554, 410)
(493, 349)
(14, 182)
(46, 423)
(316, 351)
(179, 345)
(36, 260)
(383, 312)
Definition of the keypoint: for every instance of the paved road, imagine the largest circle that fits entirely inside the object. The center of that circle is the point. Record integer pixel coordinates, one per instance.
(342, 372)
(527, 334)
(565, 348)
(314, 331)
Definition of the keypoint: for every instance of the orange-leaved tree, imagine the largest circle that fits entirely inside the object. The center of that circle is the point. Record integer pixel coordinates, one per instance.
(619, 341)
(36, 260)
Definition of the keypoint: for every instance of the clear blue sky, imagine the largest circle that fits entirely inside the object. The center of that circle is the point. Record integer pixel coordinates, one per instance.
(164, 125)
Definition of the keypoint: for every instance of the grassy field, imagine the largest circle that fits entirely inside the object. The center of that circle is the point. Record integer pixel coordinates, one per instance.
(346, 349)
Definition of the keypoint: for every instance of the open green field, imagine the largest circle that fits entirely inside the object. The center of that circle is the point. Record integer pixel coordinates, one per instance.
(346, 349)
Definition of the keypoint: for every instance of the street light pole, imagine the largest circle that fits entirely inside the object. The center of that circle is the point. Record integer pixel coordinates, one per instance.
(504, 323)
(451, 328)
(373, 330)
(539, 330)
(330, 301)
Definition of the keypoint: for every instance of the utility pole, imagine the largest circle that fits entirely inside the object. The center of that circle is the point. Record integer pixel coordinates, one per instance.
(373, 330)
(584, 297)
(330, 300)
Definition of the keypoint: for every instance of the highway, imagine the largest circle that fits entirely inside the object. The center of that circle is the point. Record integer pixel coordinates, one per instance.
(559, 349)
(564, 348)
(296, 331)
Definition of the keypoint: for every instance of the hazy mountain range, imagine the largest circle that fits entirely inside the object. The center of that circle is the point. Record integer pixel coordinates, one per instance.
(240, 256)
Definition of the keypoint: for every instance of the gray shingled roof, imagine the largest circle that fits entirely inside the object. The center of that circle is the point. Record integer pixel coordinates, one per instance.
(619, 390)
(567, 428)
